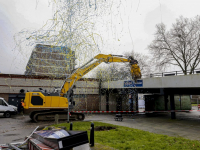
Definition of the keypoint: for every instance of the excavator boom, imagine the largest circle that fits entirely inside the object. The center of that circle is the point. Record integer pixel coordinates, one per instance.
(98, 59)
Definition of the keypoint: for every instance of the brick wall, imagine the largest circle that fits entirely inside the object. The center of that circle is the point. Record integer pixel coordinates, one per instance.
(5, 96)
(87, 103)
(93, 102)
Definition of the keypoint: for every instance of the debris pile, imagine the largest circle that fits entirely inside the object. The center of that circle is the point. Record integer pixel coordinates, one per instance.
(55, 139)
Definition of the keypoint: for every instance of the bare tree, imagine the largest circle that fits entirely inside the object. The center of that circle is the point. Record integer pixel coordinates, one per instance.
(73, 25)
(113, 72)
(179, 46)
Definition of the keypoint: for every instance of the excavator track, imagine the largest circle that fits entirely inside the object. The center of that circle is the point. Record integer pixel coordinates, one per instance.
(46, 115)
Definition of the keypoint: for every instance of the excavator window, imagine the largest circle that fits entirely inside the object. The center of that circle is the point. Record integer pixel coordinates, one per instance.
(36, 100)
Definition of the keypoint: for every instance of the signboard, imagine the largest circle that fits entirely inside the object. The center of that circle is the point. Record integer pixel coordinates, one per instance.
(131, 83)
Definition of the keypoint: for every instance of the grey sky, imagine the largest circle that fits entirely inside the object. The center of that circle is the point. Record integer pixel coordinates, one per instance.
(131, 27)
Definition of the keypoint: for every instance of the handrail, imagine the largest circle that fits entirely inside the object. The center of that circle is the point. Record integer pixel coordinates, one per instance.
(171, 73)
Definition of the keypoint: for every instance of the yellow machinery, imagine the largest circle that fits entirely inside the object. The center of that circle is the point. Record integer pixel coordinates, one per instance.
(59, 103)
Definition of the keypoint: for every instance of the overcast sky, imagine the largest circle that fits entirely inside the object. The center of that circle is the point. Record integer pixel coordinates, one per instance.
(131, 27)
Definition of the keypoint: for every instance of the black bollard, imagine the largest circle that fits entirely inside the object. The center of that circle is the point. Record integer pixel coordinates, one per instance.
(92, 135)
(71, 126)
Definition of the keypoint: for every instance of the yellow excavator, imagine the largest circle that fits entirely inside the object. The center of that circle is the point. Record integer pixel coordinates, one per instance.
(61, 103)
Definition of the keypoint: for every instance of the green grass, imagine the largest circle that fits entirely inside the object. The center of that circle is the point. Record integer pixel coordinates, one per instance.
(124, 138)
(194, 104)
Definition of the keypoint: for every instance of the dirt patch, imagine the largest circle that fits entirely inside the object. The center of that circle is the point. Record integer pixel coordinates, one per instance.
(103, 128)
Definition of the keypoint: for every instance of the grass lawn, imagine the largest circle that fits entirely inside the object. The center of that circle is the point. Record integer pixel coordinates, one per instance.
(124, 138)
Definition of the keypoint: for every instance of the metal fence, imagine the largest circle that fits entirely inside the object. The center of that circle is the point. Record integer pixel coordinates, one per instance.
(171, 73)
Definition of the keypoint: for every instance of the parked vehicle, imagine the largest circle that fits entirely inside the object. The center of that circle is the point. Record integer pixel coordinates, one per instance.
(7, 109)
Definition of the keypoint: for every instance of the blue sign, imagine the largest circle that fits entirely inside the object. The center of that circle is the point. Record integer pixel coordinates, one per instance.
(139, 83)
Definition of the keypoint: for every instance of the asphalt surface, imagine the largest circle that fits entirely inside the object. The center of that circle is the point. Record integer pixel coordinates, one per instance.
(187, 125)
(16, 128)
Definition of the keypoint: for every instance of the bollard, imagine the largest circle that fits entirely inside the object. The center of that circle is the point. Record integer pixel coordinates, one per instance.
(92, 135)
(56, 118)
(71, 126)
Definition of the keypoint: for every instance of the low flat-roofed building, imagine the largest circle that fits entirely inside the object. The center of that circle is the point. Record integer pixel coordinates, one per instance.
(86, 91)
(88, 94)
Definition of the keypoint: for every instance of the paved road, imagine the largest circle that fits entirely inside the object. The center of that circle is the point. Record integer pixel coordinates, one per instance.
(186, 125)
(15, 129)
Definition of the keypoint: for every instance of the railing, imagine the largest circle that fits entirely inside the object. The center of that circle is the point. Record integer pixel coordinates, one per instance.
(171, 73)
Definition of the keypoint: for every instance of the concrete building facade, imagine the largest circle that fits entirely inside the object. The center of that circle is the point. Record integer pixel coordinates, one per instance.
(13, 87)
(88, 95)
(53, 61)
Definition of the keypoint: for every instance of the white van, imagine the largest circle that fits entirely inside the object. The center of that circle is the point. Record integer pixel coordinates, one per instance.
(7, 109)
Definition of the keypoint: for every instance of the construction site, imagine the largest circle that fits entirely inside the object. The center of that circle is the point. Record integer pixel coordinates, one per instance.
(144, 100)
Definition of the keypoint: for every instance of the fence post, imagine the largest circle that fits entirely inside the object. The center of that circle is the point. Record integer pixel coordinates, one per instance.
(92, 135)
(71, 126)
(56, 118)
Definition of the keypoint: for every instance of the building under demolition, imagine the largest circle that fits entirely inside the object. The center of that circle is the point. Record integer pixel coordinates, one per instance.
(52, 61)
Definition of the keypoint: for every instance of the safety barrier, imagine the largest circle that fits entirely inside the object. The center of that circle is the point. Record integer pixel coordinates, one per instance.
(104, 111)
(134, 111)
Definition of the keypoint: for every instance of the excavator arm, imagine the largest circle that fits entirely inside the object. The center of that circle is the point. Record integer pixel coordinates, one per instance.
(97, 60)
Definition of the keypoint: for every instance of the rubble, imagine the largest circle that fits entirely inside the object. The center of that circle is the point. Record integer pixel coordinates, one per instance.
(54, 139)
